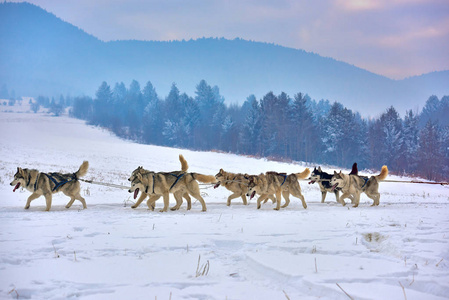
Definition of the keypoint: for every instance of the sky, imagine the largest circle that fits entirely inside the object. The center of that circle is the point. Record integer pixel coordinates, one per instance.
(394, 38)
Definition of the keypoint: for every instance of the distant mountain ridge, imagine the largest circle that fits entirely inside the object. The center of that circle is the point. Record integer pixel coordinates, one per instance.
(41, 54)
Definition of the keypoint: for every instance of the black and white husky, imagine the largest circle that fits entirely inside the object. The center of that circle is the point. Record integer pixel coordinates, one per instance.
(324, 179)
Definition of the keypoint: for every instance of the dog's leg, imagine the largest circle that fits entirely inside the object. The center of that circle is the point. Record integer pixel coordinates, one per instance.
(31, 198)
(178, 198)
(233, 196)
(72, 199)
(323, 196)
(375, 197)
(262, 197)
(48, 201)
(356, 199)
(336, 193)
(199, 198)
(300, 196)
(166, 198)
(81, 199)
(244, 199)
(286, 195)
(141, 198)
(377, 201)
(151, 201)
(189, 200)
(266, 200)
(297, 193)
(273, 199)
(343, 197)
(278, 200)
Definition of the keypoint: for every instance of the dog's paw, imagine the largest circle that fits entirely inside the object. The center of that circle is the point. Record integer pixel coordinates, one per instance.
(27, 206)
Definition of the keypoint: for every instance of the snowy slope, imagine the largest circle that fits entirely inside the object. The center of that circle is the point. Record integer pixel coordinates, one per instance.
(110, 251)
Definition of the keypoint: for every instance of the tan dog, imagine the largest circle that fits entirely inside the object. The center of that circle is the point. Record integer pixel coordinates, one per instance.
(47, 184)
(277, 184)
(143, 195)
(237, 183)
(161, 184)
(354, 185)
(180, 183)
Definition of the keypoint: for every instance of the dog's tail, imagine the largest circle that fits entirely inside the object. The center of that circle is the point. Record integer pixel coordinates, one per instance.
(304, 174)
(204, 178)
(184, 164)
(383, 173)
(82, 170)
(354, 170)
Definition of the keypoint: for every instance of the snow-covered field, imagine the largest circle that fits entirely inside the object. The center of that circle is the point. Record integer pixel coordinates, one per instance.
(110, 251)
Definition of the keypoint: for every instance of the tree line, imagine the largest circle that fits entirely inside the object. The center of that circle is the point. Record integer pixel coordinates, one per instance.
(275, 126)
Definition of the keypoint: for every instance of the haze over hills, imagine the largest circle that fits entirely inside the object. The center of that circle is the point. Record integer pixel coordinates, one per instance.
(41, 54)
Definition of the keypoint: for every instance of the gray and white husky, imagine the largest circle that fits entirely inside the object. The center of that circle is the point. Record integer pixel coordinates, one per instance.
(46, 184)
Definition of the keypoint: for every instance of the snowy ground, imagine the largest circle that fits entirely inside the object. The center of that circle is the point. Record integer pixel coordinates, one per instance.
(110, 251)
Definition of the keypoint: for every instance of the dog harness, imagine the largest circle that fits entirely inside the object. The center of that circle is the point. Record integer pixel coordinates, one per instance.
(177, 179)
(35, 183)
(146, 190)
(366, 181)
(62, 180)
(285, 178)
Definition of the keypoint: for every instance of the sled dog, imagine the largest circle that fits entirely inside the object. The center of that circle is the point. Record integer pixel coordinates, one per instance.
(46, 184)
(154, 198)
(323, 180)
(157, 184)
(237, 183)
(354, 185)
(277, 184)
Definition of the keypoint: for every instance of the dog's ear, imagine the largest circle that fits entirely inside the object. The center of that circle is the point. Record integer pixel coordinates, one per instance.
(335, 172)
(221, 171)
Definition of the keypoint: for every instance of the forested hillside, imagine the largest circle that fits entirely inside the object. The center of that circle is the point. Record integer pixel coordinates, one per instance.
(278, 126)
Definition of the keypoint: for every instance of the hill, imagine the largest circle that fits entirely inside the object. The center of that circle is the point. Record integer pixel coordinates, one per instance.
(42, 54)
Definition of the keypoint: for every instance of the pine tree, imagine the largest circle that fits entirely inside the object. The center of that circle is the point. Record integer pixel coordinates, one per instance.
(211, 108)
(392, 140)
(430, 155)
(445, 152)
(407, 159)
(152, 119)
(250, 134)
(101, 107)
(269, 124)
(135, 110)
(190, 120)
(430, 109)
(303, 131)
